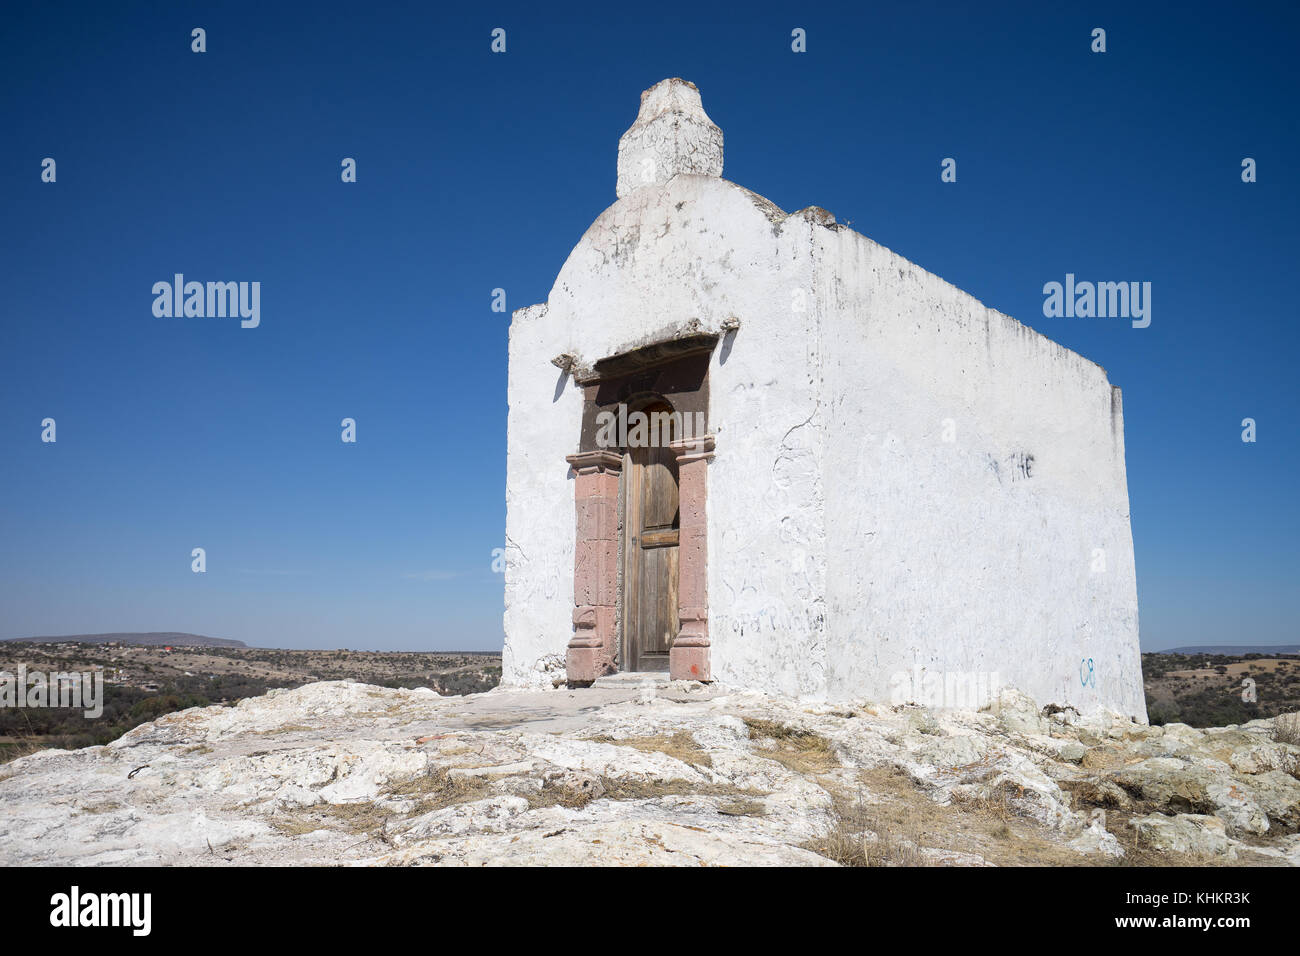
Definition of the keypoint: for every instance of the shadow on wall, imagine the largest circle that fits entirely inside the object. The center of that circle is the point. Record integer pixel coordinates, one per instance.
(728, 339)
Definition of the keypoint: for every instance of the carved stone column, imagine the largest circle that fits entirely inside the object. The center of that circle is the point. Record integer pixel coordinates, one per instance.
(595, 566)
(688, 659)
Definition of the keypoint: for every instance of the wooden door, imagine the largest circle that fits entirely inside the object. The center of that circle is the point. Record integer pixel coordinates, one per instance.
(651, 530)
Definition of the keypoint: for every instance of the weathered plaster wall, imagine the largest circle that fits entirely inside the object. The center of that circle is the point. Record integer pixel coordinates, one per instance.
(978, 554)
(542, 426)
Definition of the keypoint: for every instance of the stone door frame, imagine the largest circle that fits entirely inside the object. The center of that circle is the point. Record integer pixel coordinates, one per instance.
(593, 650)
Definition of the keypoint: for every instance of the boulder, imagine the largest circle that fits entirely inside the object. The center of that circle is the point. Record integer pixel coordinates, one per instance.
(1193, 834)
(1017, 713)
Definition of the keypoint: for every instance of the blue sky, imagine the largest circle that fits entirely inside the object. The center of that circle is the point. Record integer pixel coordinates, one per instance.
(479, 170)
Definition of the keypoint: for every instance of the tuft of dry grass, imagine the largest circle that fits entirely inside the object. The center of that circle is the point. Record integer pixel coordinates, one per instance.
(296, 825)
(22, 747)
(1286, 729)
(638, 789)
(106, 806)
(438, 789)
(803, 751)
(554, 794)
(772, 730)
(430, 791)
(859, 836)
(360, 817)
(1096, 792)
(742, 808)
(681, 746)
(283, 729)
(994, 807)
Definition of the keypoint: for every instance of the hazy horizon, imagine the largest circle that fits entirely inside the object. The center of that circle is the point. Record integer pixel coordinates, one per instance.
(461, 650)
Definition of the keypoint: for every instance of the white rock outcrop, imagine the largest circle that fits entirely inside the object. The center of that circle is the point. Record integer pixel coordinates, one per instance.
(343, 772)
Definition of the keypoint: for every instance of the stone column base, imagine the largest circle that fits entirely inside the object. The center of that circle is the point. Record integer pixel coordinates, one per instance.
(590, 653)
(689, 663)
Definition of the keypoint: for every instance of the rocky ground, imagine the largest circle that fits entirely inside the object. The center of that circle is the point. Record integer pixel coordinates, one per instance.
(345, 773)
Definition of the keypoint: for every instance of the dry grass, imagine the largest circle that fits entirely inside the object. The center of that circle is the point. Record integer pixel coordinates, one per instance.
(362, 817)
(860, 836)
(742, 808)
(903, 819)
(554, 794)
(106, 806)
(22, 747)
(1286, 729)
(995, 807)
(353, 817)
(1096, 793)
(634, 789)
(430, 791)
(802, 751)
(296, 825)
(283, 729)
(438, 789)
(681, 746)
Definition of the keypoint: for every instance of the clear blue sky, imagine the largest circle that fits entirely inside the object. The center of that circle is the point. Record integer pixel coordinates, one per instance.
(478, 171)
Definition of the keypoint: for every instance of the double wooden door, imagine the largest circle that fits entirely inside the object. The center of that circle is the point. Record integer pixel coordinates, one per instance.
(651, 532)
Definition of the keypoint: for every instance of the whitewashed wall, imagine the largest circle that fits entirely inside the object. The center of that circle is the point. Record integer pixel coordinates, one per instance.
(951, 557)
(545, 412)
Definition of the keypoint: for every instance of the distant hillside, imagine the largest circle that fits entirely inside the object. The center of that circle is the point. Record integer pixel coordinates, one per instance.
(1233, 649)
(151, 639)
(1200, 687)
